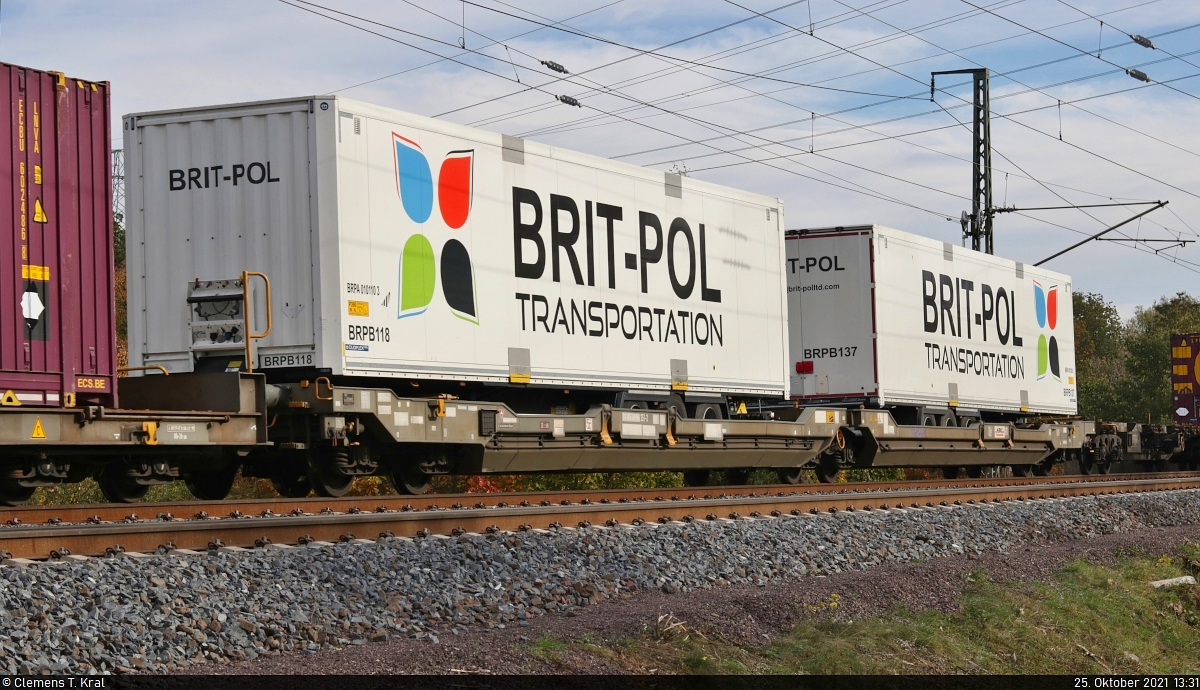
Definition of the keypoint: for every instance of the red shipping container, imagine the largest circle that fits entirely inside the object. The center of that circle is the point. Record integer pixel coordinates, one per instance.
(57, 315)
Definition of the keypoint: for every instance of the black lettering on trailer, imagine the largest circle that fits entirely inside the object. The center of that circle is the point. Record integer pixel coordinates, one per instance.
(300, 360)
(370, 334)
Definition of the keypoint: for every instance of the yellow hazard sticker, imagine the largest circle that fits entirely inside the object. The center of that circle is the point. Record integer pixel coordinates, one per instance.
(831, 417)
(10, 399)
(38, 431)
(39, 214)
(29, 272)
(357, 308)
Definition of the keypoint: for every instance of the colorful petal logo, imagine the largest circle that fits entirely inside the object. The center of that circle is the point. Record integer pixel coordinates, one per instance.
(413, 181)
(458, 281)
(454, 187)
(417, 276)
(418, 263)
(1046, 306)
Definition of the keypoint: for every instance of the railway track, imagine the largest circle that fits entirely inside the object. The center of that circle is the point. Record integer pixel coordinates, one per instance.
(49, 532)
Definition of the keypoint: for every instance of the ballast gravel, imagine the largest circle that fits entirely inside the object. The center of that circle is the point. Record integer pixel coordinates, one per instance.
(170, 613)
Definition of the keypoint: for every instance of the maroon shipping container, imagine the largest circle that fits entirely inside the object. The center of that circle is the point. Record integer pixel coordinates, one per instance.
(57, 316)
(1185, 378)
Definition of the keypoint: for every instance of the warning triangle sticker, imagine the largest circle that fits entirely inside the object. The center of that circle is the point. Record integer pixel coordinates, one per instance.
(9, 399)
(39, 214)
(38, 431)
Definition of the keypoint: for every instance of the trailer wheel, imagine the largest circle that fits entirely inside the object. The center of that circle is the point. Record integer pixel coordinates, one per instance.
(408, 480)
(213, 485)
(696, 477)
(12, 493)
(292, 485)
(676, 402)
(706, 411)
(118, 486)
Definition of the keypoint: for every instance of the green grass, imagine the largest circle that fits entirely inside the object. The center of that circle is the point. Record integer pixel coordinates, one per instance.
(549, 647)
(1085, 618)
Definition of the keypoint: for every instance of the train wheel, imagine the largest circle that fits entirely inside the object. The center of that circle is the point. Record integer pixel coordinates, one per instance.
(1022, 470)
(292, 486)
(791, 475)
(12, 493)
(827, 469)
(696, 477)
(1098, 464)
(326, 479)
(213, 485)
(330, 484)
(118, 487)
(950, 472)
(975, 471)
(408, 480)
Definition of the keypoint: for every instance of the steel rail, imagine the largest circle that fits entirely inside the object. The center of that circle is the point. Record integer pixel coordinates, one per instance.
(113, 512)
(181, 536)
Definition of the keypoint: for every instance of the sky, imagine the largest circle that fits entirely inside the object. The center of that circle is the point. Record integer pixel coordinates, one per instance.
(823, 103)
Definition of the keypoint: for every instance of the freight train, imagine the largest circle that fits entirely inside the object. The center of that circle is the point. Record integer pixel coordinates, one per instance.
(321, 289)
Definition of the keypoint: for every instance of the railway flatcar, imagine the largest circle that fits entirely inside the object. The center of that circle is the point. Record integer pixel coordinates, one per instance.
(322, 289)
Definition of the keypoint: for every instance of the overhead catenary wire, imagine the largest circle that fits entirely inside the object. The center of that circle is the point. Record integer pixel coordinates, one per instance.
(775, 38)
(871, 193)
(684, 60)
(772, 19)
(902, 136)
(568, 100)
(1143, 42)
(1076, 48)
(1193, 266)
(642, 124)
(1027, 86)
(1074, 103)
(1011, 78)
(441, 60)
(944, 91)
(901, 31)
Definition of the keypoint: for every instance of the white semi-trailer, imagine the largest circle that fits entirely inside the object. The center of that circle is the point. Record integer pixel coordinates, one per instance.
(413, 249)
(938, 333)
